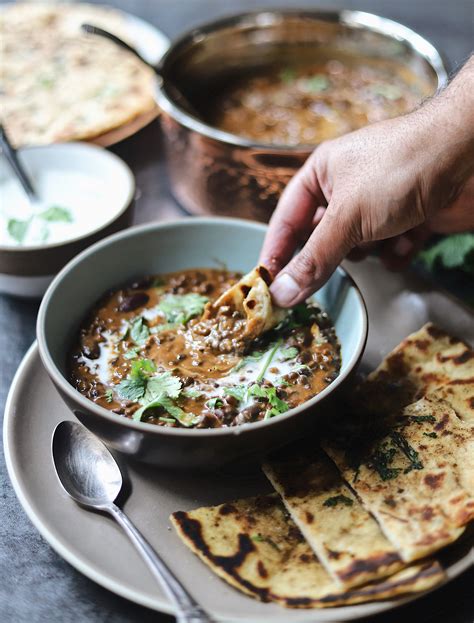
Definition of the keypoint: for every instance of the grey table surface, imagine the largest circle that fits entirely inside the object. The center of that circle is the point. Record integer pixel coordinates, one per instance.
(36, 584)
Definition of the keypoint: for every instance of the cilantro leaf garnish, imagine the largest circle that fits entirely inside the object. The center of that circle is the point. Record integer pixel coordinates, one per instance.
(179, 308)
(214, 403)
(135, 385)
(139, 331)
(338, 499)
(109, 395)
(162, 384)
(132, 352)
(17, 229)
(268, 361)
(255, 356)
(278, 405)
(57, 214)
(238, 392)
(315, 83)
(189, 392)
(288, 353)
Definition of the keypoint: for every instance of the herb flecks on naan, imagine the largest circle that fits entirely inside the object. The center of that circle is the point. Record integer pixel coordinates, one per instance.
(255, 546)
(250, 301)
(58, 84)
(422, 362)
(415, 474)
(345, 537)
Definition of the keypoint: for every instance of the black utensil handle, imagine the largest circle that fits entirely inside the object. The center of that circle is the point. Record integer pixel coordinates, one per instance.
(12, 156)
(96, 30)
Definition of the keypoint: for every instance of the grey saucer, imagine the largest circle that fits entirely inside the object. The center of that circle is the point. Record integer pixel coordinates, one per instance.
(96, 547)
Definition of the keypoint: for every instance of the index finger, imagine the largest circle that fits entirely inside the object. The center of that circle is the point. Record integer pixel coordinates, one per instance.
(292, 221)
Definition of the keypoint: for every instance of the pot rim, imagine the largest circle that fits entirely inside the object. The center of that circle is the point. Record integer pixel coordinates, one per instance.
(355, 19)
(73, 395)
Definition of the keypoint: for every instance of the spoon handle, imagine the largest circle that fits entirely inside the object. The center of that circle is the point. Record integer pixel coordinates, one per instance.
(187, 610)
(11, 155)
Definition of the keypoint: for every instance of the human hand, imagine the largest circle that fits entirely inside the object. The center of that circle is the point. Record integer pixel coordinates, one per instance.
(387, 182)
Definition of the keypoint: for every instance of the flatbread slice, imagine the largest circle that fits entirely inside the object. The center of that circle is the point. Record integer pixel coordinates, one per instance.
(422, 362)
(345, 537)
(415, 476)
(248, 299)
(255, 546)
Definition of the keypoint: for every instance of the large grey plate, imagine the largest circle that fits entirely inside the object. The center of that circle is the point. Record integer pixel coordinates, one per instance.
(397, 305)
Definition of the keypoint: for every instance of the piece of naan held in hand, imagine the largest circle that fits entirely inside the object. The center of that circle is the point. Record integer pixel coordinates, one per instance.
(344, 536)
(424, 361)
(256, 547)
(243, 312)
(415, 474)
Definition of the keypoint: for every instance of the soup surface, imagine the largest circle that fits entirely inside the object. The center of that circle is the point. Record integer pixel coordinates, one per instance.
(144, 354)
(318, 101)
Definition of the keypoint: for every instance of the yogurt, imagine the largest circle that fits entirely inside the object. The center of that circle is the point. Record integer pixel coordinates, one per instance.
(71, 205)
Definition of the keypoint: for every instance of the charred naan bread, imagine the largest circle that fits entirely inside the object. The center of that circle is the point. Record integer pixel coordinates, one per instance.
(424, 361)
(58, 84)
(414, 472)
(254, 545)
(345, 537)
(249, 299)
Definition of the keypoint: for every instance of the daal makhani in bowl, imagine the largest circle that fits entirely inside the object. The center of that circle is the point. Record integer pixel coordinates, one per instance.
(169, 357)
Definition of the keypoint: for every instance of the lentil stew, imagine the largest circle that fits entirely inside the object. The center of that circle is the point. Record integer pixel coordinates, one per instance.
(144, 353)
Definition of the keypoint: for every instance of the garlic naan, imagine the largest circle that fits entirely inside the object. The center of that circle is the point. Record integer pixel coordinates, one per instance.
(415, 474)
(422, 362)
(255, 546)
(344, 536)
(58, 84)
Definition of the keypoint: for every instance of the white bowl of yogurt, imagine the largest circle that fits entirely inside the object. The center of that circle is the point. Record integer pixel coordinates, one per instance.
(86, 193)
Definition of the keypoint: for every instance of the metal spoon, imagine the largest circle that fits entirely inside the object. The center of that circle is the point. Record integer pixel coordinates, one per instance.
(178, 96)
(11, 155)
(90, 475)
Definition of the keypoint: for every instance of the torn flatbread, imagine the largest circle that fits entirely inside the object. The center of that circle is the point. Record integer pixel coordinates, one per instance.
(58, 84)
(414, 472)
(345, 537)
(255, 546)
(249, 304)
(422, 362)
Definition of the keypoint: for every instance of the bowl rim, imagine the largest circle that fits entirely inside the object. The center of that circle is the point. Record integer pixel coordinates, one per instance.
(351, 18)
(102, 153)
(74, 395)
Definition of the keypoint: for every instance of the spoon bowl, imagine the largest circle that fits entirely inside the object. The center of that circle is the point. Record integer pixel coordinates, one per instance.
(91, 477)
(85, 467)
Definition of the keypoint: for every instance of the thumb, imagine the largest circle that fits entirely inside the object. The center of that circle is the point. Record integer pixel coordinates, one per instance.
(327, 246)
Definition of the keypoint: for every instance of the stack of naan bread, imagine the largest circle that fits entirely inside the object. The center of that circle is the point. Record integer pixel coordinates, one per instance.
(59, 84)
(357, 516)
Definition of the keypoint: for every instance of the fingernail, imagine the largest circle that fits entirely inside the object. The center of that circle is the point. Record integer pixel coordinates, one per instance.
(284, 290)
(402, 247)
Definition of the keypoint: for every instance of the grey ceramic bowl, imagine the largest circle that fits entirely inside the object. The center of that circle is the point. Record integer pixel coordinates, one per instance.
(164, 247)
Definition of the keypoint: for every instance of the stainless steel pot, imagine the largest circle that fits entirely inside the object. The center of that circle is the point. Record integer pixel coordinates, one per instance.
(214, 172)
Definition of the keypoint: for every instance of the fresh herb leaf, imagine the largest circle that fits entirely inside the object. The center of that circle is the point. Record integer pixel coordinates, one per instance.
(132, 388)
(258, 538)
(237, 391)
(164, 326)
(432, 435)
(288, 353)
(315, 83)
(380, 462)
(338, 499)
(163, 401)
(191, 393)
(419, 419)
(139, 331)
(132, 352)
(163, 384)
(270, 393)
(411, 454)
(170, 420)
(17, 229)
(455, 251)
(179, 308)
(109, 395)
(214, 403)
(388, 91)
(57, 214)
(141, 367)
